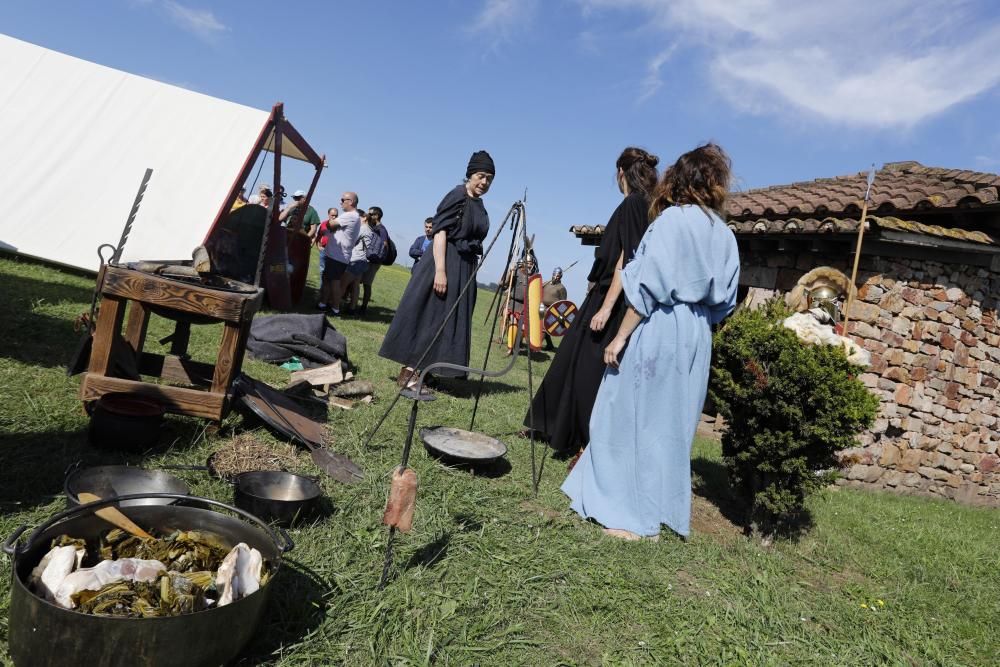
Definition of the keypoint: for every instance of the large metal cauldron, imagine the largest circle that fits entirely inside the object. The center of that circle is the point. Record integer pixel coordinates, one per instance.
(42, 633)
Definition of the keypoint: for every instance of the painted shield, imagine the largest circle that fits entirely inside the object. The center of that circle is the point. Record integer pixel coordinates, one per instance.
(558, 317)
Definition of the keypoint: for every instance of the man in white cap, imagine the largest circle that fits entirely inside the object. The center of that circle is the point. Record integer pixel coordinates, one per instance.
(293, 218)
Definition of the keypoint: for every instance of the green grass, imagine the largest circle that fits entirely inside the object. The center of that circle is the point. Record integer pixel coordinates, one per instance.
(492, 575)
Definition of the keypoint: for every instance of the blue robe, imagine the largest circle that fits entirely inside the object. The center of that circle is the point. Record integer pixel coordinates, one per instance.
(636, 472)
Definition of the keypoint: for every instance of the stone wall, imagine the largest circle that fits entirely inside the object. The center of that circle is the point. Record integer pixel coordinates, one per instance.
(933, 334)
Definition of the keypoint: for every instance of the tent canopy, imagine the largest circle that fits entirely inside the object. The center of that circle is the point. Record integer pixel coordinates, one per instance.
(77, 139)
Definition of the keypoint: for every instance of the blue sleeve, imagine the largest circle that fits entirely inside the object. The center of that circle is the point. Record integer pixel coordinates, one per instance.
(685, 257)
(417, 249)
(376, 242)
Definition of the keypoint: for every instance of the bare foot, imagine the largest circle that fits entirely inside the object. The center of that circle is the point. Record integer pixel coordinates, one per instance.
(622, 534)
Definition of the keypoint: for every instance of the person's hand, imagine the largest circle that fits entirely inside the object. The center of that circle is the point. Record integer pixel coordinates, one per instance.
(600, 319)
(440, 283)
(613, 351)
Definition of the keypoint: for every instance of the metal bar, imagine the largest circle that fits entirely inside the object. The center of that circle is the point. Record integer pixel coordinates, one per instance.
(131, 216)
(495, 308)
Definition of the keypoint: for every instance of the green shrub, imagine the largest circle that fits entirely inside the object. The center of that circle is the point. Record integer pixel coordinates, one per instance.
(789, 408)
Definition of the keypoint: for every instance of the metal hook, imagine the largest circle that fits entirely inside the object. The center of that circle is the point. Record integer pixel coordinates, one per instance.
(100, 253)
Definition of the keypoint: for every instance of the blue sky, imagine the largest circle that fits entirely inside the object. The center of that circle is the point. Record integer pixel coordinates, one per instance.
(399, 94)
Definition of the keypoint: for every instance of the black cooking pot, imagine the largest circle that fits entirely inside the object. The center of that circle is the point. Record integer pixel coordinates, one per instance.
(42, 633)
(126, 421)
(278, 496)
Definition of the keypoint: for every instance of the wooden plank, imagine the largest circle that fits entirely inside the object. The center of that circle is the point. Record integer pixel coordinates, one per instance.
(135, 329)
(342, 403)
(241, 347)
(137, 286)
(225, 363)
(109, 323)
(176, 369)
(330, 374)
(179, 400)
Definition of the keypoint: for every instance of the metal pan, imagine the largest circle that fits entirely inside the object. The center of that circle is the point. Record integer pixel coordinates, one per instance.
(460, 447)
(111, 481)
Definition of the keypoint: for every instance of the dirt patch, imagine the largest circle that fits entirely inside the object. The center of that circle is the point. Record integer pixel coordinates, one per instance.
(707, 519)
(536, 508)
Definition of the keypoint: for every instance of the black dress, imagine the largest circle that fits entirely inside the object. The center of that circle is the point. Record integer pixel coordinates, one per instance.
(565, 399)
(421, 311)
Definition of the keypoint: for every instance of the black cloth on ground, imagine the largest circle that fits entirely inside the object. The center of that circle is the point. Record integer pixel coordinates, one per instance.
(421, 311)
(311, 338)
(565, 399)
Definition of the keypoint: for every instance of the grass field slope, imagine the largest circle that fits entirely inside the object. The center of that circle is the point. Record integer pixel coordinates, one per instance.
(493, 575)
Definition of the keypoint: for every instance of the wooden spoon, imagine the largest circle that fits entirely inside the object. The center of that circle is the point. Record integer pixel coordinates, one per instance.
(114, 517)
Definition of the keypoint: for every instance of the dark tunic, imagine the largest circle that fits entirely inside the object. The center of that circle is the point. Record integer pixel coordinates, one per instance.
(565, 399)
(421, 311)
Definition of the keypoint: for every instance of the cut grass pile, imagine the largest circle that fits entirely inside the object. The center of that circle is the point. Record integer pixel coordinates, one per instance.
(492, 575)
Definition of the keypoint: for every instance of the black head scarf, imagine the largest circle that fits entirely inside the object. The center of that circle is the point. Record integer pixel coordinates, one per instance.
(480, 161)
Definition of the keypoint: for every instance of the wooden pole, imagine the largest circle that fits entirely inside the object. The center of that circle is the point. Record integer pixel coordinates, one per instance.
(857, 249)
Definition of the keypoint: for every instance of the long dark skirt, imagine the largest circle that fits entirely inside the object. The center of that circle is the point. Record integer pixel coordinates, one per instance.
(421, 312)
(565, 399)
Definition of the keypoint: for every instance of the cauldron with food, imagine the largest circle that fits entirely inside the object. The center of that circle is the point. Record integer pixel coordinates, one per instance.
(42, 632)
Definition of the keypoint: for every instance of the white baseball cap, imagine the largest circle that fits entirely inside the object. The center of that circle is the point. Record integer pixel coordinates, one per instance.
(299, 193)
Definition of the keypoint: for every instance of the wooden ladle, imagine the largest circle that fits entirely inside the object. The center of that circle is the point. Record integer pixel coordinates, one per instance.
(114, 517)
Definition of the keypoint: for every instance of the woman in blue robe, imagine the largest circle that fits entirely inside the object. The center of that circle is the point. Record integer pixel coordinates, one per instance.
(635, 474)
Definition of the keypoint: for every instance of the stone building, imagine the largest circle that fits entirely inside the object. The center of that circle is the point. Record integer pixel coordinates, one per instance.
(929, 285)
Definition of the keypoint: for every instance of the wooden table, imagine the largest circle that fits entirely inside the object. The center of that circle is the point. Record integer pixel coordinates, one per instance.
(118, 362)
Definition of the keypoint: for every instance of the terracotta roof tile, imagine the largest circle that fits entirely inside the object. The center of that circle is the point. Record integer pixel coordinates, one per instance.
(846, 225)
(905, 186)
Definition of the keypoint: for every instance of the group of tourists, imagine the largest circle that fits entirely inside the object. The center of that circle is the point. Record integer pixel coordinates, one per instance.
(628, 382)
(353, 245)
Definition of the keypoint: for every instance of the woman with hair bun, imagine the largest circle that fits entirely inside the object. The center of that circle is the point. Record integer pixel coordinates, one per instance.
(561, 408)
(636, 472)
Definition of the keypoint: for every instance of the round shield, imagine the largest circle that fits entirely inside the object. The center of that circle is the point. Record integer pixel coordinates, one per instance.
(558, 317)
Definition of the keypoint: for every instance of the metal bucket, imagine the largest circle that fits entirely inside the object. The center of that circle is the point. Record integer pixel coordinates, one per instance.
(109, 481)
(42, 633)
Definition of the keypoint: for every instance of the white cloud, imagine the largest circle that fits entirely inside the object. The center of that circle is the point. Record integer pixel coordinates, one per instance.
(653, 81)
(889, 63)
(498, 20)
(200, 22)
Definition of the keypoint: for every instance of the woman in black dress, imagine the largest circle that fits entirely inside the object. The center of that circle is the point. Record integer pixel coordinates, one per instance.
(565, 399)
(460, 225)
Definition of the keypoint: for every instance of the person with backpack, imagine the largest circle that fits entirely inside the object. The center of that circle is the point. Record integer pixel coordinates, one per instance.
(382, 251)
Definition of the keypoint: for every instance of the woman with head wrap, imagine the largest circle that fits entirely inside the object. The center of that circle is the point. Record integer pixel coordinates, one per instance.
(460, 225)
(563, 403)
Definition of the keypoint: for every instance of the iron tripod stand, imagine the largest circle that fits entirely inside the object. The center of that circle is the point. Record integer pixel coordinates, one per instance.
(517, 218)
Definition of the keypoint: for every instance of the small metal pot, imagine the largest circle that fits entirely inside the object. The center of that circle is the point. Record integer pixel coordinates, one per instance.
(43, 633)
(111, 481)
(281, 497)
(126, 421)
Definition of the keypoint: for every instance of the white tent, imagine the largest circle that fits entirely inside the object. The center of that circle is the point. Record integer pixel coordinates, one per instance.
(77, 139)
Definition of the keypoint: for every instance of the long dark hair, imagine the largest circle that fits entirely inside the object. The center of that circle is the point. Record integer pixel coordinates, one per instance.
(639, 167)
(699, 177)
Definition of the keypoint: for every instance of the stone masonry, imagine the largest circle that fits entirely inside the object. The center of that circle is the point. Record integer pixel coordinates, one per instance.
(934, 338)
